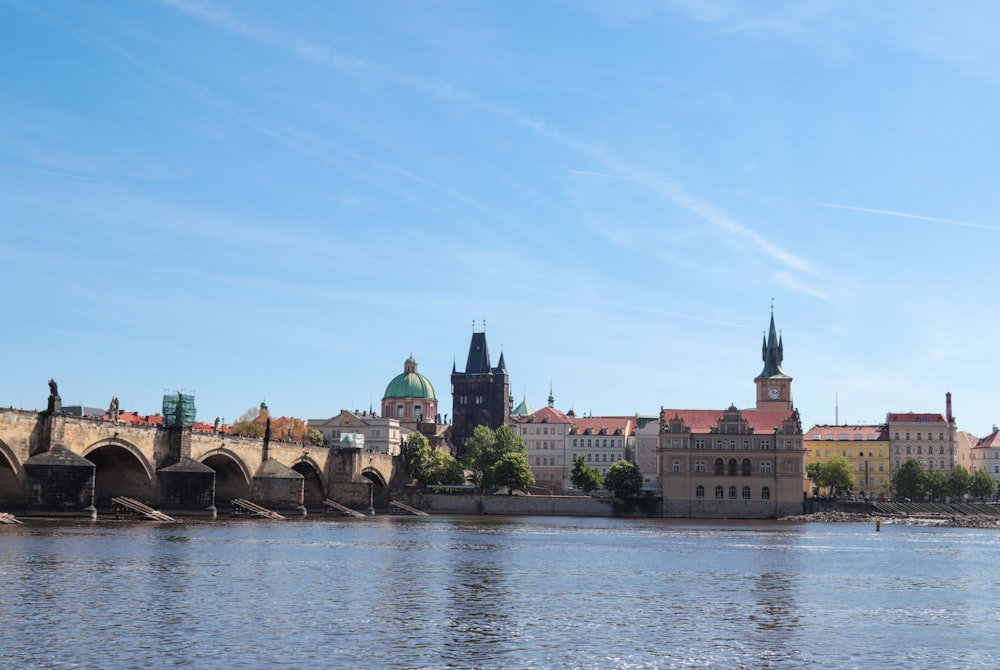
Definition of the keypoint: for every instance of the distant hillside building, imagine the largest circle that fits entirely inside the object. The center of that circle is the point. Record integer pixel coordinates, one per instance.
(736, 463)
(480, 394)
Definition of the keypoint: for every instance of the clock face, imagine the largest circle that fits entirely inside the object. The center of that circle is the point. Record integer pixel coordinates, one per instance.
(773, 393)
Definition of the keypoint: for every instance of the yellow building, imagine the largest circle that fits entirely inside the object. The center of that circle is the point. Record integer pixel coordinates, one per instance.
(866, 448)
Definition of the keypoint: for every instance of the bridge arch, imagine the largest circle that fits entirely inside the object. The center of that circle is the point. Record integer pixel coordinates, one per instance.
(11, 477)
(232, 476)
(313, 489)
(380, 497)
(121, 469)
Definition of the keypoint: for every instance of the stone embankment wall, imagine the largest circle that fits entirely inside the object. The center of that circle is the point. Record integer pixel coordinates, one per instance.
(534, 505)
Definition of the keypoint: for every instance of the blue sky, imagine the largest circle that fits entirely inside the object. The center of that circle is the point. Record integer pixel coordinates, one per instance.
(254, 200)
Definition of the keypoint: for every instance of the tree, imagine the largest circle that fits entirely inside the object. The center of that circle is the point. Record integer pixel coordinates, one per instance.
(483, 451)
(316, 438)
(513, 471)
(982, 484)
(623, 479)
(908, 481)
(833, 473)
(428, 466)
(248, 425)
(957, 482)
(584, 477)
(935, 482)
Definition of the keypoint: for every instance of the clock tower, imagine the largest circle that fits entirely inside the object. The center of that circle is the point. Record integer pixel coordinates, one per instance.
(774, 387)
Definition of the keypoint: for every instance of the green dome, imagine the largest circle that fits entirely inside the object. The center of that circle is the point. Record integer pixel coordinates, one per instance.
(410, 384)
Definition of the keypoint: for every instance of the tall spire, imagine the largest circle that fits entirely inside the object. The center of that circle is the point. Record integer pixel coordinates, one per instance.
(772, 352)
(552, 399)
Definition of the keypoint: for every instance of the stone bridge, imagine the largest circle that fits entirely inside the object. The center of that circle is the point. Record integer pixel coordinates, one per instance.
(51, 463)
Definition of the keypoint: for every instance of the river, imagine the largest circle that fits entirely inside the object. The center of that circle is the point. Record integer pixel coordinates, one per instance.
(495, 592)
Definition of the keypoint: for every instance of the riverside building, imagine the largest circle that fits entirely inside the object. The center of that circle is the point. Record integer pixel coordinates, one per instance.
(736, 463)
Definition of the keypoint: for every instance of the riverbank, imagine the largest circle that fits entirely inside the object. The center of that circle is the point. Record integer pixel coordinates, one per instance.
(958, 521)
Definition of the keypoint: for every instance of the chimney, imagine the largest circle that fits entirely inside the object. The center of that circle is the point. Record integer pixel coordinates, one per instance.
(947, 407)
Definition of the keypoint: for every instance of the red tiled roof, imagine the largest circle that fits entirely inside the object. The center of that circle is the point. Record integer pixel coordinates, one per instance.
(546, 415)
(855, 432)
(703, 420)
(991, 440)
(914, 417)
(610, 424)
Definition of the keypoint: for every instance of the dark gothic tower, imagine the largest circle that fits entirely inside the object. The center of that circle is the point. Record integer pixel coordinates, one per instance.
(774, 387)
(480, 395)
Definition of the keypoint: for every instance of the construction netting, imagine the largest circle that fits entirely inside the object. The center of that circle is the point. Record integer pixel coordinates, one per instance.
(178, 410)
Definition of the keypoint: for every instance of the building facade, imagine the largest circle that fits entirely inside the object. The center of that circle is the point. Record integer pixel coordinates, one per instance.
(736, 463)
(928, 438)
(544, 434)
(480, 394)
(382, 435)
(985, 455)
(865, 446)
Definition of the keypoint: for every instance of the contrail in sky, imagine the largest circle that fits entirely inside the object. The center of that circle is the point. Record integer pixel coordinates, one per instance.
(50, 172)
(886, 212)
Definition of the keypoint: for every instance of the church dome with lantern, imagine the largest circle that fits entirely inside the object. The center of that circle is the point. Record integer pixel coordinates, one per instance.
(409, 397)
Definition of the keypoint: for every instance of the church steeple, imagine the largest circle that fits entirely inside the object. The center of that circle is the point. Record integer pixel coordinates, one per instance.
(774, 385)
(773, 352)
(552, 398)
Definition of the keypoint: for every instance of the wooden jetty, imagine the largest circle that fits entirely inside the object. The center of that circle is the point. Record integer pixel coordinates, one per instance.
(6, 518)
(241, 505)
(343, 509)
(133, 506)
(406, 508)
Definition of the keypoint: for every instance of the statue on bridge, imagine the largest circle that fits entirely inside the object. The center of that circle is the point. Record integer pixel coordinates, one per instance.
(55, 402)
(113, 411)
(53, 389)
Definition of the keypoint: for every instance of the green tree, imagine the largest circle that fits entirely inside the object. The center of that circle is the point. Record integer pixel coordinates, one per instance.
(624, 479)
(513, 471)
(982, 484)
(908, 481)
(584, 477)
(316, 438)
(485, 448)
(834, 474)
(429, 466)
(935, 483)
(957, 482)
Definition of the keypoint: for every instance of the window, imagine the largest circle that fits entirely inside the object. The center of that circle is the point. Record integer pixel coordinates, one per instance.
(895, 435)
(920, 449)
(907, 448)
(732, 492)
(677, 466)
(418, 412)
(699, 466)
(996, 469)
(745, 467)
(881, 467)
(746, 444)
(731, 470)
(746, 493)
(765, 444)
(699, 492)
(765, 493)
(720, 467)
(907, 436)
(765, 467)
(918, 436)
(718, 492)
(699, 443)
(940, 450)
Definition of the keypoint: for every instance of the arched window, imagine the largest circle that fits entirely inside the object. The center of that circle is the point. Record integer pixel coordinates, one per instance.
(732, 492)
(765, 493)
(745, 467)
(718, 492)
(720, 467)
(699, 492)
(746, 493)
(418, 413)
(732, 468)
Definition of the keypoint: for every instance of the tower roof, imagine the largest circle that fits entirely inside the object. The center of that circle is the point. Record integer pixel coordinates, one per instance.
(479, 355)
(772, 352)
(410, 384)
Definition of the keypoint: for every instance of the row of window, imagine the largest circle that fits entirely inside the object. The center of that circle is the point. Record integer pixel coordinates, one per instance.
(732, 468)
(746, 444)
(920, 450)
(843, 436)
(930, 436)
(846, 453)
(476, 400)
(765, 492)
(929, 465)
